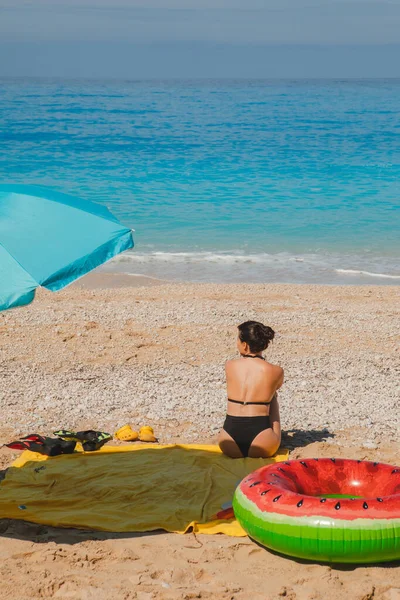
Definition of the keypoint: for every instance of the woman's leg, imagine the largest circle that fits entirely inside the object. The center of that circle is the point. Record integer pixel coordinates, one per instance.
(265, 444)
(228, 445)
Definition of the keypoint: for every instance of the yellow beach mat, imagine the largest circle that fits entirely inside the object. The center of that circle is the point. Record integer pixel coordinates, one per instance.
(126, 489)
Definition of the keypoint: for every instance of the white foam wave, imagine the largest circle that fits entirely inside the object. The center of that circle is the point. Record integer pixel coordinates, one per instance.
(284, 267)
(201, 257)
(367, 273)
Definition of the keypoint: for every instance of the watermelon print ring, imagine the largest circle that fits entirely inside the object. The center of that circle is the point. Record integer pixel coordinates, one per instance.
(329, 510)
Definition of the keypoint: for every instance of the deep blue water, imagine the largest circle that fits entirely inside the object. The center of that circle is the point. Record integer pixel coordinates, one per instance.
(234, 181)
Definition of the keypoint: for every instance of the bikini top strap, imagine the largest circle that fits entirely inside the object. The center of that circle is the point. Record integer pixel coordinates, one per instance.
(251, 356)
(247, 403)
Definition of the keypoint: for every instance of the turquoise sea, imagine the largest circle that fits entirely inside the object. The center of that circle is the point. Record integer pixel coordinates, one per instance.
(284, 181)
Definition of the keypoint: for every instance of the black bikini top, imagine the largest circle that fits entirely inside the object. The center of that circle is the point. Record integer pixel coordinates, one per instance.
(247, 403)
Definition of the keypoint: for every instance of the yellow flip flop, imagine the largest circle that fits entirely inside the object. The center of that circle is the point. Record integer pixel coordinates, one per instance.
(146, 434)
(126, 434)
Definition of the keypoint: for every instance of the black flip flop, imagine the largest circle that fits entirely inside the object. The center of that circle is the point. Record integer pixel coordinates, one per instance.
(43, 445)
(91, 440)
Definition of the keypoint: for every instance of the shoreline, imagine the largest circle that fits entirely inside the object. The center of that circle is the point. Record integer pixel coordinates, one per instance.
(111, 280)
(207, 266)
(104, 281)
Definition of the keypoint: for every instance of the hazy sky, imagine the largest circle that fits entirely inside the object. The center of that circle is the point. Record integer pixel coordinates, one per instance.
(202, 37)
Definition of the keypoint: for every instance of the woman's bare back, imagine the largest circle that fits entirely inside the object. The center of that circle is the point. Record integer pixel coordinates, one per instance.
(251, 380)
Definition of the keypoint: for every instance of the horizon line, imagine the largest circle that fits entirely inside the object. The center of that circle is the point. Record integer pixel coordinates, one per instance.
(193, 79)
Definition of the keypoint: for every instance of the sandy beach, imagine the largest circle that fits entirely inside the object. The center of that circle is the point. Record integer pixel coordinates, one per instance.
(116, 349)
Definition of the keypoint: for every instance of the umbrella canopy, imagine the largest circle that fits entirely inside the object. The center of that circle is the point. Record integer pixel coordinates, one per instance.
(50, 239)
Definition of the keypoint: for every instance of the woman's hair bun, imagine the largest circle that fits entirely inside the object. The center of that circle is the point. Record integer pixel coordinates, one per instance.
(256, 335)
(268, 332)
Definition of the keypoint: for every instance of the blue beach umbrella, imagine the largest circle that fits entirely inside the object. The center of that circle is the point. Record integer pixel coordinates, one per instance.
(50, 239)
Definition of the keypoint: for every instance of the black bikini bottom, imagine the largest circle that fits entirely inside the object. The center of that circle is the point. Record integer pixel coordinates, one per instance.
(243, 430)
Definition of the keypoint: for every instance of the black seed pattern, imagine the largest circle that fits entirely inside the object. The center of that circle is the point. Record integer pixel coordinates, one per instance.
(287, 464)
(255, 483)
(276, 499)
(333, 460)
(274, 475)
(359, 461)
(323, 500)
(282, 470)
(380, 499)
(265, 492)
(353, 498)
(304, 464)
(317, 459)
(337, 506)
(375, 464)
(395, 471)
(365, 506)
(300, 503)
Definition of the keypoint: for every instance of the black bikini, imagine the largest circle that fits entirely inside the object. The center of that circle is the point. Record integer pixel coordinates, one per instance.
(243, 430)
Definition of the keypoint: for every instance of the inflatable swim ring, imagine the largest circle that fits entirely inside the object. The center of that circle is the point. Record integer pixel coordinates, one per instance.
(332, 510)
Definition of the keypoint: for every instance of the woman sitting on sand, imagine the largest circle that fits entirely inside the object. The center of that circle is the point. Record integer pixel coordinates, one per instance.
(252, 425)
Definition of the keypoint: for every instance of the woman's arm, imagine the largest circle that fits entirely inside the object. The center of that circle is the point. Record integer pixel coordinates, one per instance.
(281, 375)
(274, 416)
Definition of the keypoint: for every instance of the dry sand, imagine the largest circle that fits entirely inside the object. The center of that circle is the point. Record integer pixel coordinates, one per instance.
(149, 352)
